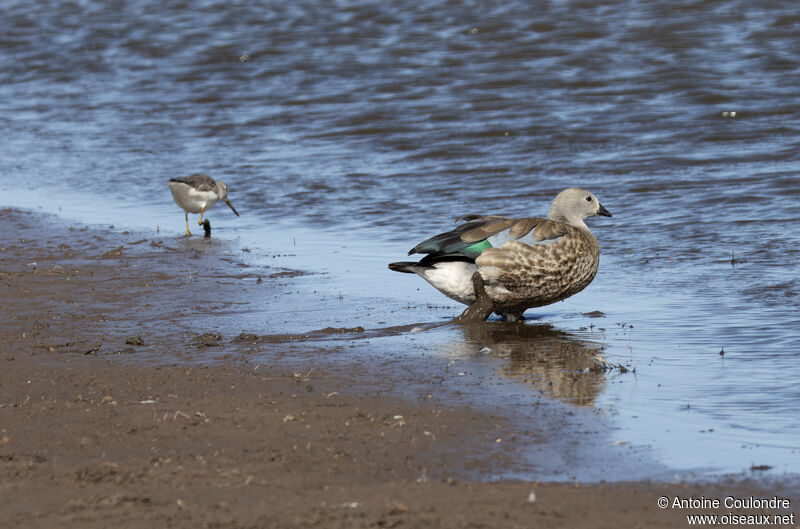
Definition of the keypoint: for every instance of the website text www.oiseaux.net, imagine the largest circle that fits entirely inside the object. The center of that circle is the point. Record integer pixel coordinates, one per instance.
(761, 506)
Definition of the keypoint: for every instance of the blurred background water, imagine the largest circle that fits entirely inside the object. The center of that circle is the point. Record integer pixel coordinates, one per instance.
(368, 126)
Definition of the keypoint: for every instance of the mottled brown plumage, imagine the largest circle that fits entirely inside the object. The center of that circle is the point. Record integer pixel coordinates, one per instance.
(520, 276)
(523, 262)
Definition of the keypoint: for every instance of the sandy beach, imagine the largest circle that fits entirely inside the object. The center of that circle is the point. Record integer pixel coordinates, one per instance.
(116, 411)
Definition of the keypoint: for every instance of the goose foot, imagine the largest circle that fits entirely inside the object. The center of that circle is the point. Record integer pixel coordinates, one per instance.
(482, 308)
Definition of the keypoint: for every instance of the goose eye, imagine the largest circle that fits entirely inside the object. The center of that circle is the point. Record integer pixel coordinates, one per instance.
(588, 199)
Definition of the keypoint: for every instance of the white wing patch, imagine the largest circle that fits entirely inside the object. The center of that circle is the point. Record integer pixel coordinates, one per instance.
(499, 239)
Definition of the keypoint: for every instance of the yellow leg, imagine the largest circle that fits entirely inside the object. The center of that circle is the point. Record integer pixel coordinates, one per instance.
(200, 222)
(188, 233)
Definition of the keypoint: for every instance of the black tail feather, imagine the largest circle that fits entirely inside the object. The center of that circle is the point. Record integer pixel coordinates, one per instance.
(404, 267)
(427, 262)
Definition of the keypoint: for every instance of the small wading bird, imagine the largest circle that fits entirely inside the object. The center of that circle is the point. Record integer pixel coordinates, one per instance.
(198, 193)
(507, 265)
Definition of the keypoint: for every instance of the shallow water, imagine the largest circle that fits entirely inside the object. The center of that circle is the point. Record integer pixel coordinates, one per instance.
(350, 131)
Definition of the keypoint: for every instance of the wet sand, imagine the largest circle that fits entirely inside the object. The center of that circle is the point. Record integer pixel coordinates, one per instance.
(115, 410)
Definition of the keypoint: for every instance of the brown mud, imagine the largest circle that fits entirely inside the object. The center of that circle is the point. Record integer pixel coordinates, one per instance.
(127, 400)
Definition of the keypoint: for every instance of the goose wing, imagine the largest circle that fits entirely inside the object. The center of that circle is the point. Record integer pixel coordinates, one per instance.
(480, 232)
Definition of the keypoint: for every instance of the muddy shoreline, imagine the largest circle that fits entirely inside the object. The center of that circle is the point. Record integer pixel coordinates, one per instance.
(126, 401)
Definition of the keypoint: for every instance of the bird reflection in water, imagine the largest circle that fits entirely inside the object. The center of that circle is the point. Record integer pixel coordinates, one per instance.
(556, 363)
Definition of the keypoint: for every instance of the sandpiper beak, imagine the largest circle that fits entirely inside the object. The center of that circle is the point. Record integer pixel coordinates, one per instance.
(602, 211)
(237, 213)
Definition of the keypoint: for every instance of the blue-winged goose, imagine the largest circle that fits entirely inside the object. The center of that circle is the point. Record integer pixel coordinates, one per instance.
(521, 262)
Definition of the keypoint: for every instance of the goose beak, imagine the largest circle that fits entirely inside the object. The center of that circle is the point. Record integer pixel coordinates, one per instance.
(602, 211)
(237, 213)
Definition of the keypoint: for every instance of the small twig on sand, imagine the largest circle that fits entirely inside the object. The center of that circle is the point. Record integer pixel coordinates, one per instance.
(605, 365)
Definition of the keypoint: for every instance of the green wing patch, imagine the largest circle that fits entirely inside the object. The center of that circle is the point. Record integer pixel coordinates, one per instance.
(474, 250)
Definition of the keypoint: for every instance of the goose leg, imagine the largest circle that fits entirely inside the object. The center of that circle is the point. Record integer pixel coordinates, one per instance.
(482, 308)
(188, 233)
(200, 222)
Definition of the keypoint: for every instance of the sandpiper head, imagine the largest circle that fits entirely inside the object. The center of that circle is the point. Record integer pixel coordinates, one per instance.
(222, 193)
(575, 204)
(222, 189)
